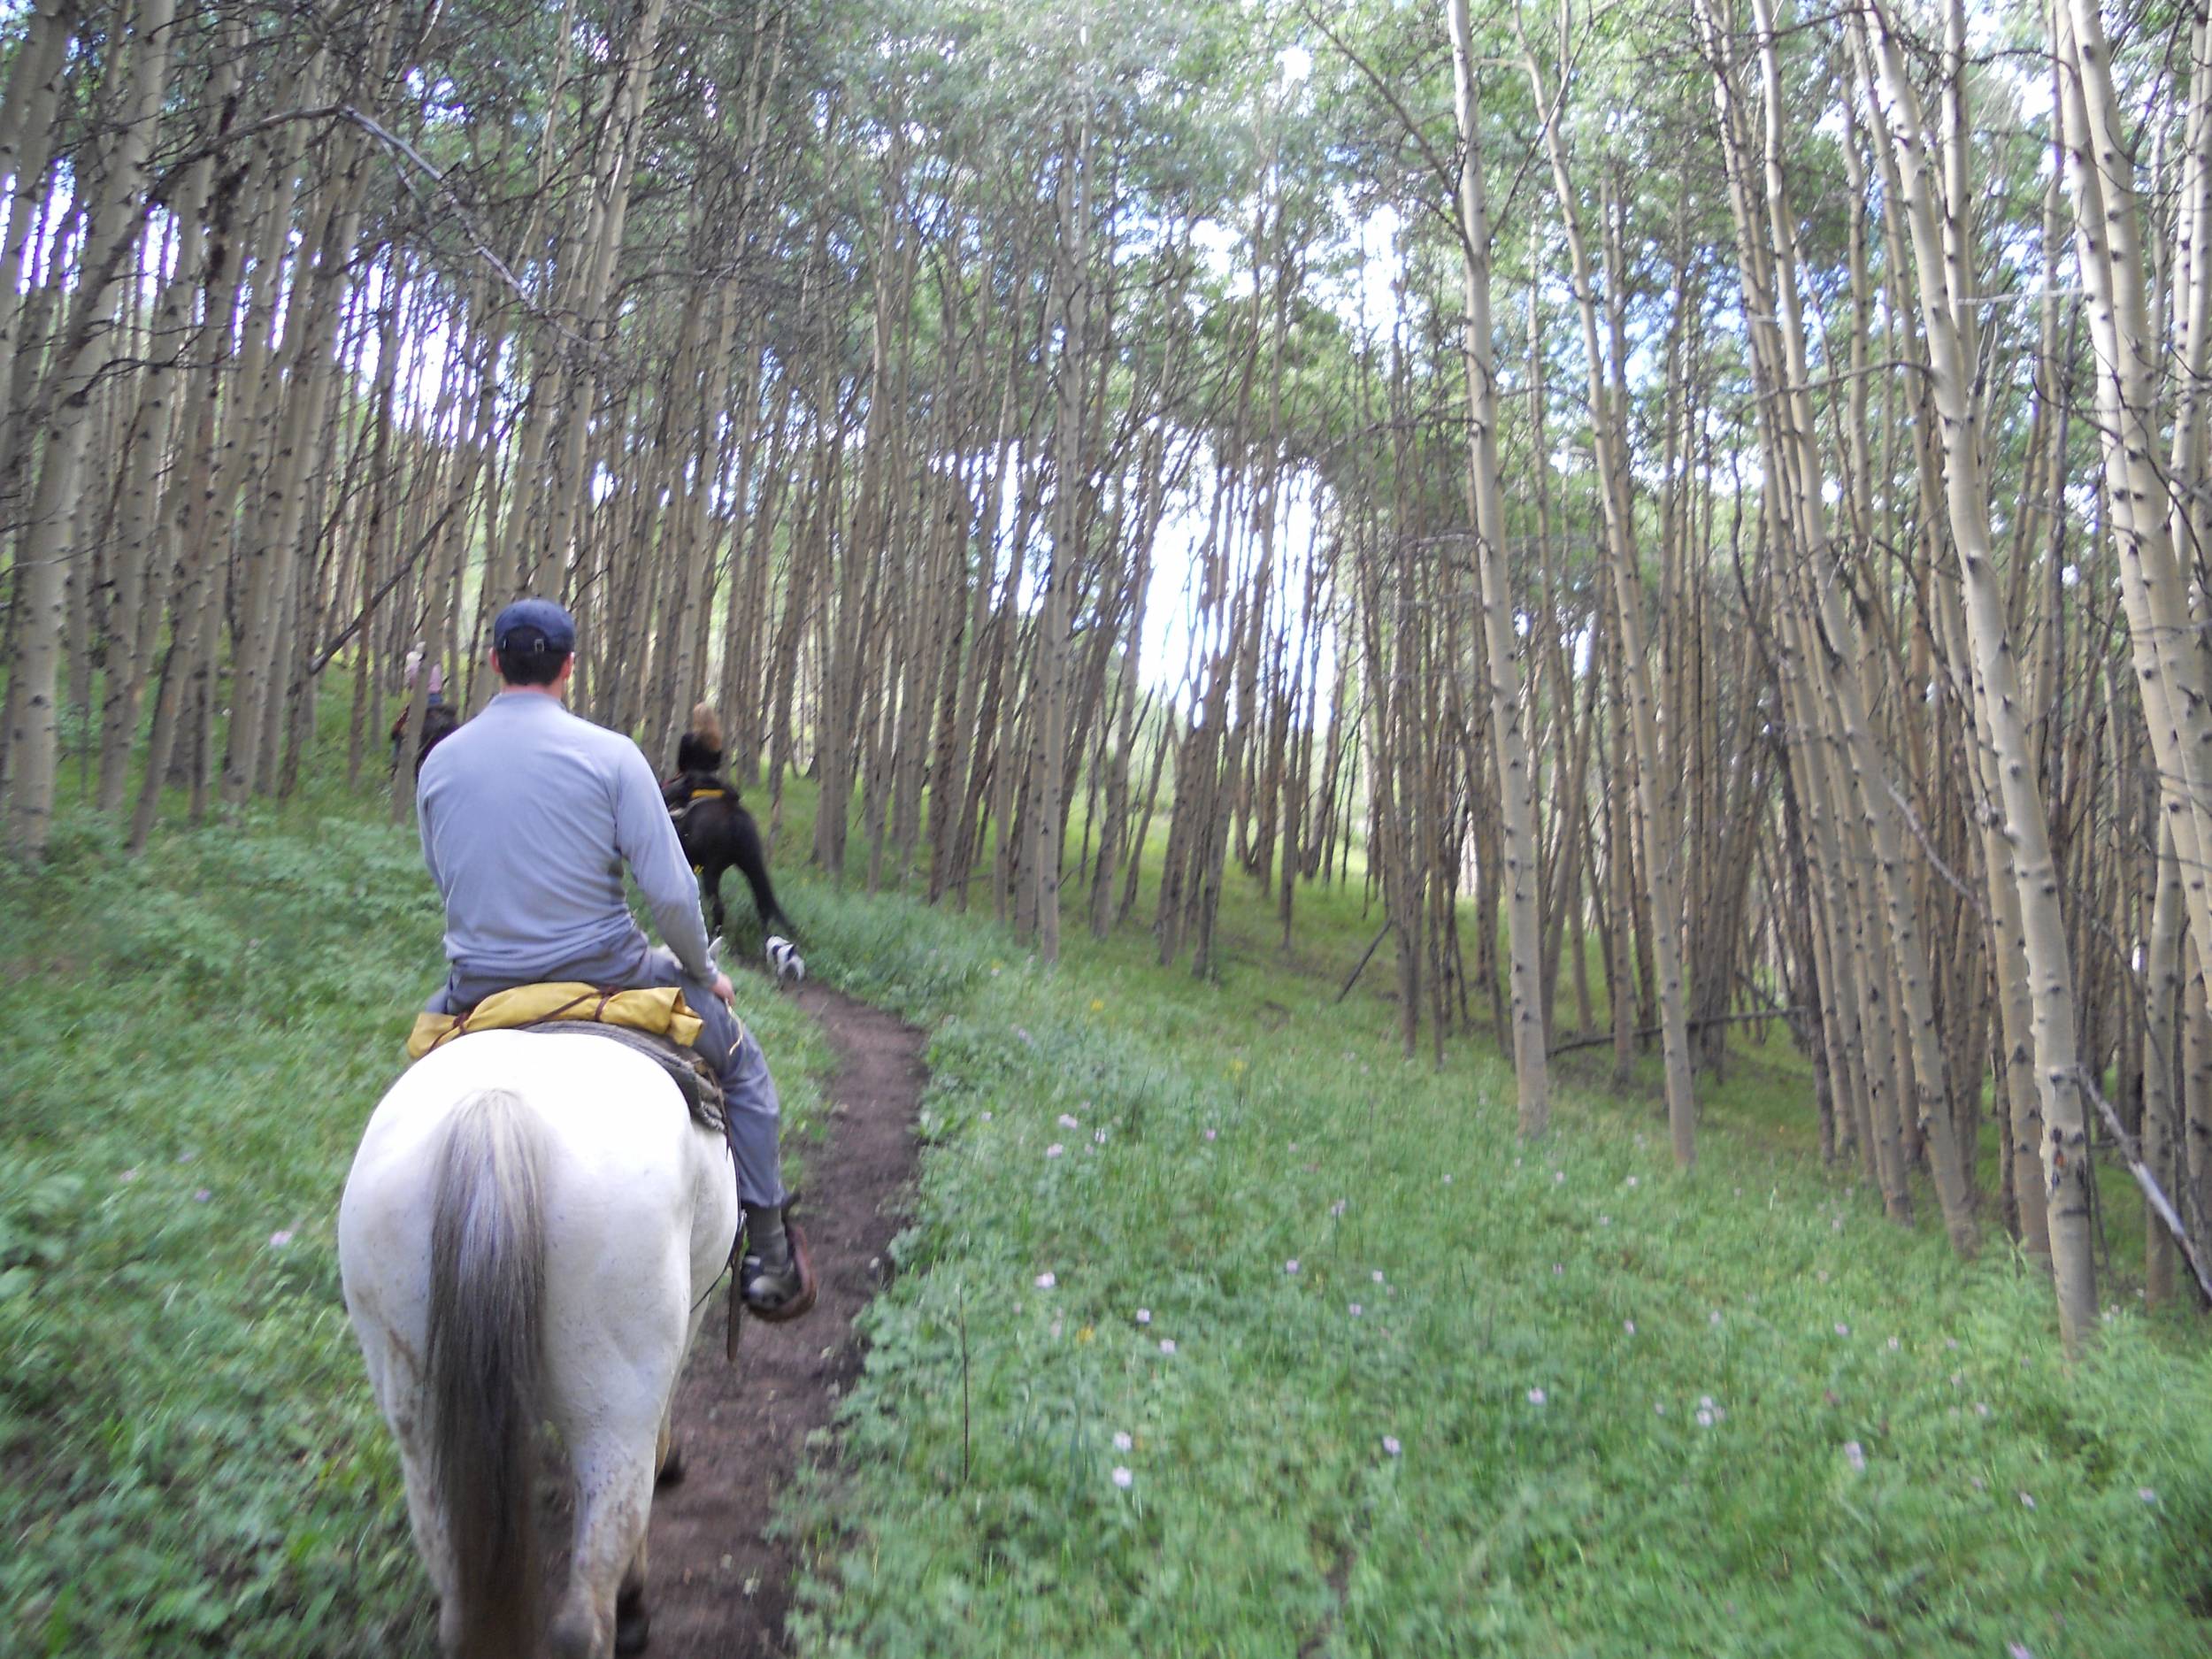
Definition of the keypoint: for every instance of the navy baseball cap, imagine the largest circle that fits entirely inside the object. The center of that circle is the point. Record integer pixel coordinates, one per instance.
(535, 624)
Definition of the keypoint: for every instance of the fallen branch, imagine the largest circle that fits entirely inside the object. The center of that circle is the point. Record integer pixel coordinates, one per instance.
(2153, 1195)
(1694, 1024)
(322, 658)
(1364, 961)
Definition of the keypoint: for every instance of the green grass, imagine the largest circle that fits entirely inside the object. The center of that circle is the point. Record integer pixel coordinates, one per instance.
(191, 1462)
(2003, 1498)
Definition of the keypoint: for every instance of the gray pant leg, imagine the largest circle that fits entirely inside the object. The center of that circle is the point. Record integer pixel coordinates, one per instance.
(749, 1093)
(755, 1115)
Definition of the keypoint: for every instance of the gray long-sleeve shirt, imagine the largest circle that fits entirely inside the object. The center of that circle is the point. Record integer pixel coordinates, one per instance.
(528, 815)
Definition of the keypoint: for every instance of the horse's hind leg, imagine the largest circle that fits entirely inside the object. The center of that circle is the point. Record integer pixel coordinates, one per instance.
(431, 1541)
(603, 1609)
(710, 882)
(752, 862)
(398, 1392)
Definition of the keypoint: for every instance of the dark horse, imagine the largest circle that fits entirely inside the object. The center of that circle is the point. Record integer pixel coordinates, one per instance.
(719, 833)
(439, 722)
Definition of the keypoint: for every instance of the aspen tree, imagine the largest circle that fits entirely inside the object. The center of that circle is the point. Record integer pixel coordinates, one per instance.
(1516, 772)
(1943, 264)
(1661, 847)
(50, 553)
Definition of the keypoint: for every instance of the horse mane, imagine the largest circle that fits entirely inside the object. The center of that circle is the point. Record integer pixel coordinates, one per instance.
(706, 724)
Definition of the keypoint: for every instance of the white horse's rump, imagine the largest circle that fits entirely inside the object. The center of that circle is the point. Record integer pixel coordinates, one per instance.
(530, 1228)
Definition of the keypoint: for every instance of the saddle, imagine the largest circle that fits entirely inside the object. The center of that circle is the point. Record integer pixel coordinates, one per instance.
(686, 790)
(660, 1010)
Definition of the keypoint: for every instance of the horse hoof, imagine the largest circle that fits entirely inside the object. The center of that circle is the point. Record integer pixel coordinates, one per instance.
(671, 1470)
(633, 1624)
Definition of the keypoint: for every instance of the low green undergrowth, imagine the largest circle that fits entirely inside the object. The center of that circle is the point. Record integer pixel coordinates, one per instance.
(191, 1459)
(1431, 1389)
(1511, 1399)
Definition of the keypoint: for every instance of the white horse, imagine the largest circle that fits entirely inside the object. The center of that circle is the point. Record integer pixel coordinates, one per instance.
(528, 1234)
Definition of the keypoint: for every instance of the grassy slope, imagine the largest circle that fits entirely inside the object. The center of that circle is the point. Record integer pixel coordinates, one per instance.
(187, 1440)
(1556, 1490)
(189, 1458)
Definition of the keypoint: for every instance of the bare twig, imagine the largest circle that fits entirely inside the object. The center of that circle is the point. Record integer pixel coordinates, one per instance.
(400, 147)
(1694, 1024)
(2153, 1194)
(1362, 968)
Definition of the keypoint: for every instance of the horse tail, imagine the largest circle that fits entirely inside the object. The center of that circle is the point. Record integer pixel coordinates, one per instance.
(486, 1365)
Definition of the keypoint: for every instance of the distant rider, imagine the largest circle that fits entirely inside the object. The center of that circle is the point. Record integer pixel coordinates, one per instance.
(698, 762)
(529, 815)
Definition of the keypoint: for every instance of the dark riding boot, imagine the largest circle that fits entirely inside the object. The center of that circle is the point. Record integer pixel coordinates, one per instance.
(773, 1275)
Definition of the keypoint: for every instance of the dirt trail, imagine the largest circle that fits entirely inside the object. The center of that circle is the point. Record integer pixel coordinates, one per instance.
(716, 1589)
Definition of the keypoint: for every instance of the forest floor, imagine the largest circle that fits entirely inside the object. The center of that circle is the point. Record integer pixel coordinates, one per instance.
(1215, 1325)
(720, 1582)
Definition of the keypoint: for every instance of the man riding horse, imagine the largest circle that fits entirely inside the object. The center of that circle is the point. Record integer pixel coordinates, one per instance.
(529, 815)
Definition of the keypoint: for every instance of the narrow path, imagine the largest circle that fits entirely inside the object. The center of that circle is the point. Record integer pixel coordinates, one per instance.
(716, 1589)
